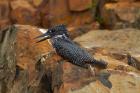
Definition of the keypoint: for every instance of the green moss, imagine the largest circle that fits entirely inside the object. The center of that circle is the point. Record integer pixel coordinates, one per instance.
(99, 19)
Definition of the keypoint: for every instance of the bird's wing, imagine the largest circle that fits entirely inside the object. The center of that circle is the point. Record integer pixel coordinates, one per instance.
(71, 51)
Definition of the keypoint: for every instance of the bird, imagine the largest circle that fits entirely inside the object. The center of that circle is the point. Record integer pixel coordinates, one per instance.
(66, 48)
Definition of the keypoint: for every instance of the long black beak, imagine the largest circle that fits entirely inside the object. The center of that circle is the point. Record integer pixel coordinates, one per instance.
(42, 37)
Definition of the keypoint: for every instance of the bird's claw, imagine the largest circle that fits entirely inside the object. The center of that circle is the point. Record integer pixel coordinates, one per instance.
(92, 69)
(44, 57)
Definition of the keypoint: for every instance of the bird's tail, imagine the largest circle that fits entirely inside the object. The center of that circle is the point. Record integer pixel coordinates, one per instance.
(100, 64)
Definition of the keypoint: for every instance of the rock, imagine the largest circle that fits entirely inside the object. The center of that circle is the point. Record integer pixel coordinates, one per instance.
(72, 83)
(4, 13)
(37, 3)
(109, 13)
(63, 77)
(121, 15)
(126, 0)
(102, 15)
(43, 13)
(81, 19)
(132, 61)
(75, 31)
(46, 21)
(79, 5)
(59, 12)
(28, 54)
(27, 57)
(37, 70)
(7, 58)
(111, 45)
(126, 80)
(24, 13)
(18, 72)
(121, 41)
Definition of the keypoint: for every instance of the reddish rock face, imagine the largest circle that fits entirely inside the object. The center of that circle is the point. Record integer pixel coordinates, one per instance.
(29, 52)
(4, 13)
(79, 5)
(23, 13)
(25, 16)
(46, 13)
(58, 12)
(27, 48)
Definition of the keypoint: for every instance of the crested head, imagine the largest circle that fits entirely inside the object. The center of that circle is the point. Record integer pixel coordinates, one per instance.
(58, 30)
(55, 32)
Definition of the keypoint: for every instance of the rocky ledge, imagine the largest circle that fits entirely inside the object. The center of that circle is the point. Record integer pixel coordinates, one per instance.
(25, 68)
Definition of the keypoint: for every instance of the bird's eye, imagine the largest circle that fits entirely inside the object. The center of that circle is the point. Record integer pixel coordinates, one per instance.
(52, 31)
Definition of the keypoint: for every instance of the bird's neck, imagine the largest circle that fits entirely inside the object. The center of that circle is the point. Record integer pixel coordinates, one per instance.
(63, 36)
(58, 38)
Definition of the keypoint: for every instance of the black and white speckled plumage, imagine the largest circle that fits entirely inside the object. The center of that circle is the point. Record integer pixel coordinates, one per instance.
(67, 49)
(70, 51)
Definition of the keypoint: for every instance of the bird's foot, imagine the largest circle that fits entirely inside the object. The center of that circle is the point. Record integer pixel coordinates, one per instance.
(92, 70)
(40, 67)
(42, 58)
(45, 56)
